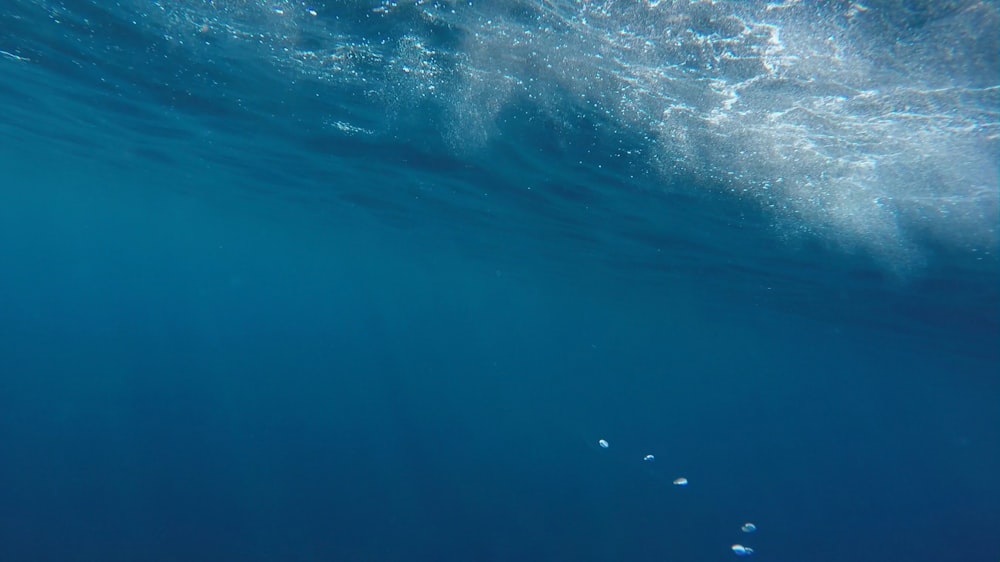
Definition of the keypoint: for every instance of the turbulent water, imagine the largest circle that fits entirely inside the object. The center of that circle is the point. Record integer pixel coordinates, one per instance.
(369, 280)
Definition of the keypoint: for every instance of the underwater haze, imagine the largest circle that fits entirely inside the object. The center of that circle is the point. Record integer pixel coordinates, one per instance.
(508, 280)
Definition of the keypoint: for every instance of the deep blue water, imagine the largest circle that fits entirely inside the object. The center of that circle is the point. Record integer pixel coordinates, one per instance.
(369, 280)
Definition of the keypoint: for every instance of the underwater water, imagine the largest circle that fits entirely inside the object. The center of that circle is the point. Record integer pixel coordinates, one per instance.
(428, 280)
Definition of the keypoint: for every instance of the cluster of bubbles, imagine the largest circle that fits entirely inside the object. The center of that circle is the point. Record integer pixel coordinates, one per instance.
(747, 528)
(876, 124)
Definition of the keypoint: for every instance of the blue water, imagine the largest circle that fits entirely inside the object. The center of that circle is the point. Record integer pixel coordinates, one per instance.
(368, 281)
